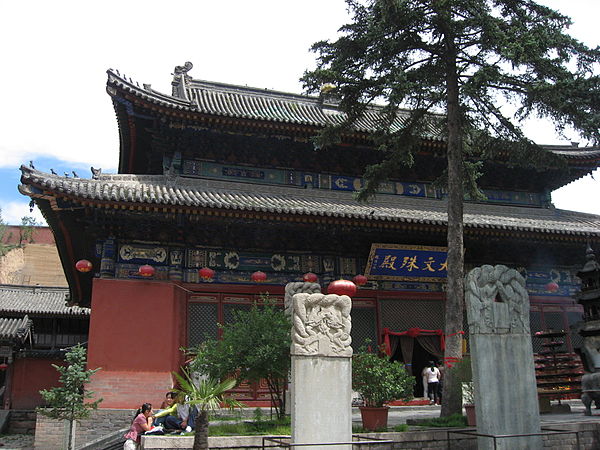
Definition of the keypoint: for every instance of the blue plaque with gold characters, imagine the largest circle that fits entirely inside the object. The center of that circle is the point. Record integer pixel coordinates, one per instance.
(407, 263)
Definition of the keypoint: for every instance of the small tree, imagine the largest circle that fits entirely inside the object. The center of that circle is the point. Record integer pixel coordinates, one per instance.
(255, 346)
(207, 395)
(26, 229)
(67, 402)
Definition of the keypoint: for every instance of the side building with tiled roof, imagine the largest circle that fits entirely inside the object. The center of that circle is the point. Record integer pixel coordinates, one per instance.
(34, 292)
(227, 177)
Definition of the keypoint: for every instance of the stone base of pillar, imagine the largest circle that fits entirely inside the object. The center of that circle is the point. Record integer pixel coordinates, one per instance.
(321, 403)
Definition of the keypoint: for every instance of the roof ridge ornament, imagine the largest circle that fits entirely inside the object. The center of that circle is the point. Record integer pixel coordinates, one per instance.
(96, 173)
(180, 80)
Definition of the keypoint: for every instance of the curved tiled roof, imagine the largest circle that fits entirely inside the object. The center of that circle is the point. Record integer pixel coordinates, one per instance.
(37, 300)
(228, 100)
(12, 329)
(169, 191)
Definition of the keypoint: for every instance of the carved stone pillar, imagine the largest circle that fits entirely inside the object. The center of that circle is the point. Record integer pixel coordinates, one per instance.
(502, 358)
(321, 388)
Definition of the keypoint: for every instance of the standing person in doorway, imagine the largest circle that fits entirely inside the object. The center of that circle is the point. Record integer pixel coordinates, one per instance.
(432, 375)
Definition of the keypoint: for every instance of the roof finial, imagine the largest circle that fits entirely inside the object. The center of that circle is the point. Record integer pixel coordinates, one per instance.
(180, 79)
(183, 70)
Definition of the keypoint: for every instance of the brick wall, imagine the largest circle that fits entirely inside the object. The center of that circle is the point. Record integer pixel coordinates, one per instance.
(49, 432)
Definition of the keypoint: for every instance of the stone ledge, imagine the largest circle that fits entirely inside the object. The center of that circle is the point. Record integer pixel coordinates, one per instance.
(421, 439)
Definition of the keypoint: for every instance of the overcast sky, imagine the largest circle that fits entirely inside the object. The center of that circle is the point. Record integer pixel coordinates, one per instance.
(54, 109)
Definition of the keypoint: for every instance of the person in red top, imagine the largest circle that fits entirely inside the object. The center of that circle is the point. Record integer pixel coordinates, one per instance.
(141, 422)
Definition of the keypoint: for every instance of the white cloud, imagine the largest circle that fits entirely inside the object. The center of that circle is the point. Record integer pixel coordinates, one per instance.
(13, 212)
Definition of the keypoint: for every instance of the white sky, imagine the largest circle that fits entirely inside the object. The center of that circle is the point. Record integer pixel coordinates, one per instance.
(55, 54)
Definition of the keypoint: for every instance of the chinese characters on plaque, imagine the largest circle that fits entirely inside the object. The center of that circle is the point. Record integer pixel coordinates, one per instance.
(407, 263)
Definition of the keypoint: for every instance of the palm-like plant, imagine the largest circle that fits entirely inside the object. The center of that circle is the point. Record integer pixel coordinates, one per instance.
(207, 395)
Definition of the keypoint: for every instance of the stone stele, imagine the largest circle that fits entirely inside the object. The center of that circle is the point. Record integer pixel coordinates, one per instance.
(321, 387)
(502, 358)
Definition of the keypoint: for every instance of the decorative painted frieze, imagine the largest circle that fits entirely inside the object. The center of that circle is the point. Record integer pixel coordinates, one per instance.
(313, 180)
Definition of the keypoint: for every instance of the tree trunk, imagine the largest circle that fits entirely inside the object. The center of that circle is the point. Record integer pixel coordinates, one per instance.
(69, 434)
(201, 434)
(451, 400)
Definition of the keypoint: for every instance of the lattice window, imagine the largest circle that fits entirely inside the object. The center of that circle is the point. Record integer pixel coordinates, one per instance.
(400, 315)
(228, 309)
(555, 321)
(363, 327)
(202, 322)
(535, 320)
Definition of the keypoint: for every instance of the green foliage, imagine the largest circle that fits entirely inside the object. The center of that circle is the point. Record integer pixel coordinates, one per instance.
(454, 420)
(4, 247)
(255, 346)
(26, 229)
(379, 381)
(400, 428)
(68, 401)
(468, 72)
(400, 53)
(206, 394)
(281, 426)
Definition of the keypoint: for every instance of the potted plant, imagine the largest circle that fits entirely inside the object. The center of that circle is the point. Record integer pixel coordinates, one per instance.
(379, 381)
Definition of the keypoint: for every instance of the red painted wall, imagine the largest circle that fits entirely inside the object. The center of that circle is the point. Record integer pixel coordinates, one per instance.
(136, 330)
(29, 376)
(40, 235)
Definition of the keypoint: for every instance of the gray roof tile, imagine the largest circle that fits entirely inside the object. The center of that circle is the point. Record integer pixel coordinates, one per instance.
(244, 102)
(12, 329)
(37, 300)
(202, 193)
(227, 100)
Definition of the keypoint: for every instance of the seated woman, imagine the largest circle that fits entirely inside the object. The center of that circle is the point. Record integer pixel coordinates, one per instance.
(176, 416)
(142, 422)
(162, 414)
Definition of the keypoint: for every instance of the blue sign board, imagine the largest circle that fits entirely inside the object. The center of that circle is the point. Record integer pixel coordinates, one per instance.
(407, 263)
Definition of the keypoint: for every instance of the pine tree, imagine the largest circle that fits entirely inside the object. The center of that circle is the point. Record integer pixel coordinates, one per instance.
(68, 401)
(465, 59)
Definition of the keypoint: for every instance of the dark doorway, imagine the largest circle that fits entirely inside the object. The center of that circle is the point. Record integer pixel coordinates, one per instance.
(420, 360)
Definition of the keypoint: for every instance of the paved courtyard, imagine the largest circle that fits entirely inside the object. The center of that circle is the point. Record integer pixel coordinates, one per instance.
(399, 414)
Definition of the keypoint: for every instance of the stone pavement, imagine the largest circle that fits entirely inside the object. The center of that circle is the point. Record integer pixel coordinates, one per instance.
(16, 442)
(399, 414)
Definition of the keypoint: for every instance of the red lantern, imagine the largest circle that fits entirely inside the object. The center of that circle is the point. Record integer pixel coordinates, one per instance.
(3, 366)
(146, 270)
(310, 277)
(83, 265)
(360, 280)
(342, 287)
(206, 273)
(258, 276)
(551, 287)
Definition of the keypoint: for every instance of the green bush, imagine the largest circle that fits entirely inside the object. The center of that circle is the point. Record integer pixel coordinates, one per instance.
(380, 381)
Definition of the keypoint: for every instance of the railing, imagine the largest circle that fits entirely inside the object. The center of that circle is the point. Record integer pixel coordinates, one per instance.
(358, 443)
(495, 437)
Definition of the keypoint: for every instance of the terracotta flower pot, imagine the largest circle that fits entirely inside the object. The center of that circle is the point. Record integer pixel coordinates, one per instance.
(471, 418)
(374, 418)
